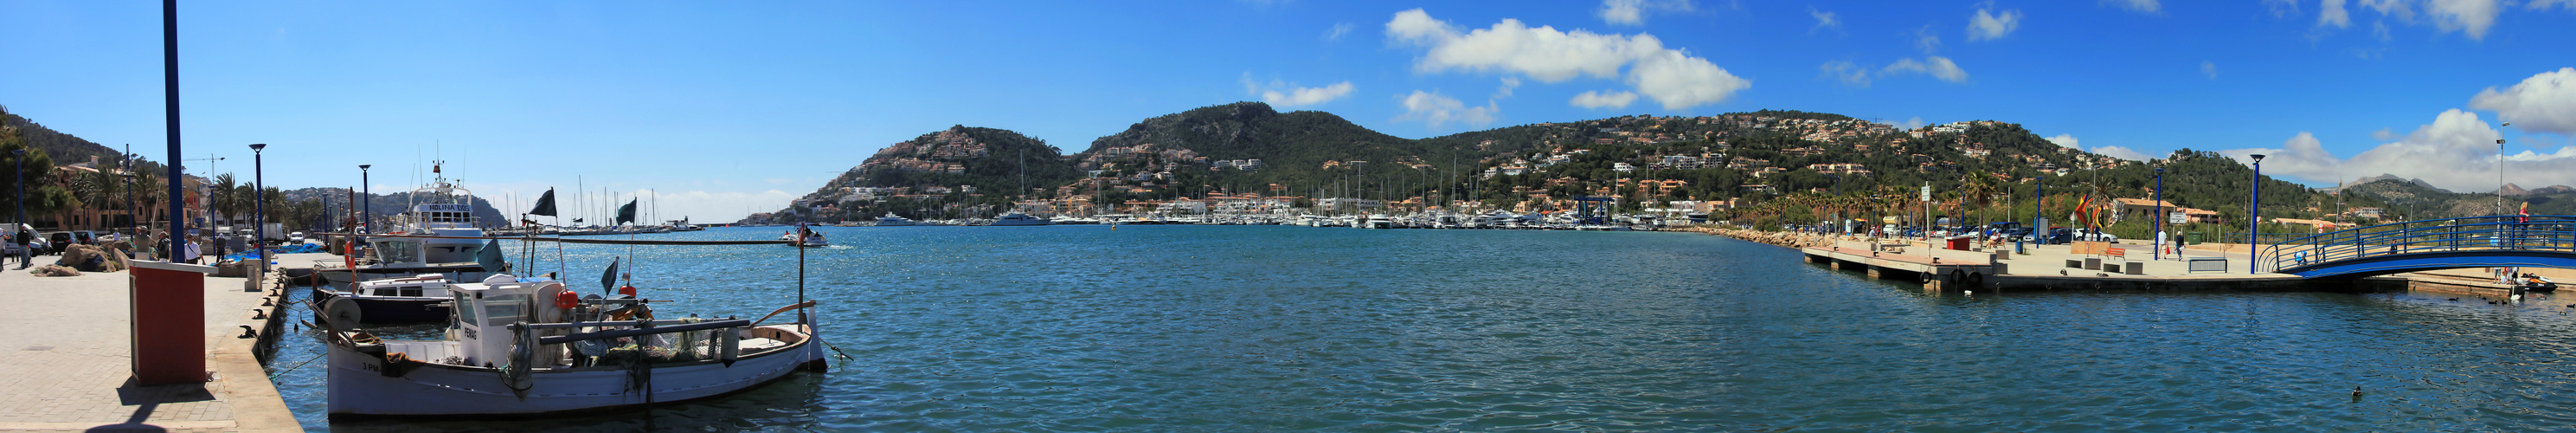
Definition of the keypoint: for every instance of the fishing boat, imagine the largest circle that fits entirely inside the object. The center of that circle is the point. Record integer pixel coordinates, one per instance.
(530, 347)
(438, 235)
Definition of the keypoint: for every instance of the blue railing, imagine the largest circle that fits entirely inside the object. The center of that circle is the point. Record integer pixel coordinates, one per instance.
(2534, 233)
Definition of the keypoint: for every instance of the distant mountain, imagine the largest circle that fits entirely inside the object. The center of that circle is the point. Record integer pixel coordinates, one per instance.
(389, 205)
(2381, 177)
(67, 149)
(2510, 189)
(1249, 148)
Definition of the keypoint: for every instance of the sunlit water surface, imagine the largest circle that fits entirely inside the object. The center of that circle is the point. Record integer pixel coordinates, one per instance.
(1224, 328)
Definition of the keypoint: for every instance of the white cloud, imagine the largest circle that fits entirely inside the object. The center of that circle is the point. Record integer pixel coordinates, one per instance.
(2144, 6)
(1435, 110)
(1912, 122)
(1937, 66)
(1846, 71)
(1599, 100)
(2333, 15)
(1285, 94)
(2456, 152)
(2545, 4)
(2066, 140)
(2472, 16)
(1633, 12)
(1627, 12)
(2282, 8)
(1926, 41)
(2546, 102)
(1338, 30)
(1670, 76)
(1982, 25)
(1825, 20)
(1505, 91)
(2121, 153)
(2209, 69)
(2384, 134)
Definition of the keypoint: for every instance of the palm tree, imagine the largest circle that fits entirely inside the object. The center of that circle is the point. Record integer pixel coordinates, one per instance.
(224, 198)
(1979, 188)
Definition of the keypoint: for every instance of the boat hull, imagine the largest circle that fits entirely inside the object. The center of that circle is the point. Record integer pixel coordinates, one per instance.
(358, 385)
(390, 310)
(467, 272)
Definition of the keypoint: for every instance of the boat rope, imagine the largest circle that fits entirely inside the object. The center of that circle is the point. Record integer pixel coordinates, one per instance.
(272, 377)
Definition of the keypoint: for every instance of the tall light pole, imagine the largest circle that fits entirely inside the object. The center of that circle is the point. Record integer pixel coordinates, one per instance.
(21, 184)
(2254, 224)
(2499, 206)
(369, 219)
(259, 207)
(2160, 214)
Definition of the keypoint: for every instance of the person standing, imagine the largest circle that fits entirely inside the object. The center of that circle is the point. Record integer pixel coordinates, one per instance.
(26, 248)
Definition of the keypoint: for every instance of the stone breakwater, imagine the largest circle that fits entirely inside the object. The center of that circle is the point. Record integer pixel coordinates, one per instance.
(1784, 239)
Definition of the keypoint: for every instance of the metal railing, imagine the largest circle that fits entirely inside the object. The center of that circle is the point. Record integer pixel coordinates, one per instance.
(2536, 233)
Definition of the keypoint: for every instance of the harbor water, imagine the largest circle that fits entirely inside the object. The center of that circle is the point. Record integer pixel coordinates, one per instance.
(1265, 328)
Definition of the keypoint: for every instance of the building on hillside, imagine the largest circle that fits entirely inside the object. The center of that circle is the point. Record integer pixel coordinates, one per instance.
(2124, 208)
(2316, 225)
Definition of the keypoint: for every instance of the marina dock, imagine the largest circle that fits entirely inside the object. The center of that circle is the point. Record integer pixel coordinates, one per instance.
(2123, 266)
(69, 366)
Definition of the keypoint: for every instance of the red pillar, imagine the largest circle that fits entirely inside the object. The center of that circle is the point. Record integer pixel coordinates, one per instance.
(168, 322)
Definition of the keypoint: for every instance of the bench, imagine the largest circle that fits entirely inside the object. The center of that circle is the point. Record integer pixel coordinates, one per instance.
(2211, 264)
(2122, 253)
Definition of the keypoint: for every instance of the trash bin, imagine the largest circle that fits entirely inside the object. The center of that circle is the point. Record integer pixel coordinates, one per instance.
(2191, 238)
(168, 322)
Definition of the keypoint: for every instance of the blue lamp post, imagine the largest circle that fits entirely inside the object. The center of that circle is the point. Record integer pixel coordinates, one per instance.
(2254, 225)
(21, 184)
(259, 207)
(2160, 214)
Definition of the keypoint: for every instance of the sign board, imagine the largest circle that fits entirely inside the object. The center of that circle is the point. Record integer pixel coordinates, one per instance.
(2176, 218)
(1927, 192)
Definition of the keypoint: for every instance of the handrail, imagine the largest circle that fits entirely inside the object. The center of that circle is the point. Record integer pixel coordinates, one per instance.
(2546, 233)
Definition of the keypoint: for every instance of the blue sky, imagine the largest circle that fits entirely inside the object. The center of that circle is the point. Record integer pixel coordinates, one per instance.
(726, 108)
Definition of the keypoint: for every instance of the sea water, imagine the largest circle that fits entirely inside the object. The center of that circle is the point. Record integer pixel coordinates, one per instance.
(1265, 328)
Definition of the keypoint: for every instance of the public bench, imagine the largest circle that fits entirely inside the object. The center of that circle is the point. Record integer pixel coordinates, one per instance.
(2205, 264)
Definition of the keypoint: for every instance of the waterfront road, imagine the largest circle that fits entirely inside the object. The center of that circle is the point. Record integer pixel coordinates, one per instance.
(68, 368)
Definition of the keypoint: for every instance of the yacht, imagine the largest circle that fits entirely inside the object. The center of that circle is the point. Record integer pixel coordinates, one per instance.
(892, 220)
(1016, 218)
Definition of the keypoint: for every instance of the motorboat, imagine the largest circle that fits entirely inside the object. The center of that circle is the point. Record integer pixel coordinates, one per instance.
(410, 299)
(1378, 221)
(2537, 283)
(804, 236)
(520, 346)
(1017, 218)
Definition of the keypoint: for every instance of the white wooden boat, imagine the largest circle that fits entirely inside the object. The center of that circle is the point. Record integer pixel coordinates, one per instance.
(526, 347)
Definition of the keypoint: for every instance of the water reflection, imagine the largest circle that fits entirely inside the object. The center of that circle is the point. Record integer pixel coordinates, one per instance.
(1276, 328)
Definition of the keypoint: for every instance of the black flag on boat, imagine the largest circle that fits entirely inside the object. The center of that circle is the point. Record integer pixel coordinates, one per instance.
(545, 204)
(490, 257)
(626, 214)
(608, 280)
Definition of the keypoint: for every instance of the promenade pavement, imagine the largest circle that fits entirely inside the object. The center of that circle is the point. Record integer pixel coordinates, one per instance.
(68, 366)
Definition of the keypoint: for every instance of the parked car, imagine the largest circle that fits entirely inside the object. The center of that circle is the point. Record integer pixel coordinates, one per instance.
(2095, 236)
(2055, 235)
(9, 246)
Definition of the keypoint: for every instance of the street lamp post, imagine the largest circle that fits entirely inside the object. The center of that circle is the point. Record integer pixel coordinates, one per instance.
(2160, 214)
(21, 184)
(368, 220)
(2254, 224)
(259, 207)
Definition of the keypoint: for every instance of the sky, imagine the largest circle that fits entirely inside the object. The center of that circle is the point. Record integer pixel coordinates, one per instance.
(719, 109)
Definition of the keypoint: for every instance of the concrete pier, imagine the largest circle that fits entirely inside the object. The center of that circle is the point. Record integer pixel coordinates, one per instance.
(67, 358)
